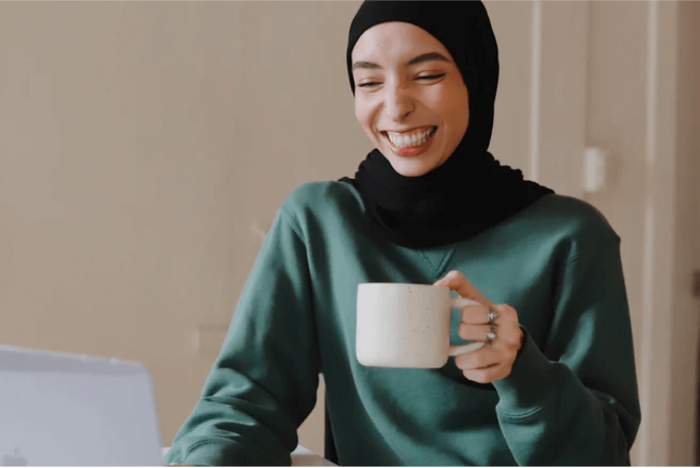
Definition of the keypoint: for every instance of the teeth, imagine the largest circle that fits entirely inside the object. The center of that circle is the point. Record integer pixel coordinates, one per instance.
(414, 139)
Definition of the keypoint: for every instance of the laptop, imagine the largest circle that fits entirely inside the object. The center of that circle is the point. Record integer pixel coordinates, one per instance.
(68, 410)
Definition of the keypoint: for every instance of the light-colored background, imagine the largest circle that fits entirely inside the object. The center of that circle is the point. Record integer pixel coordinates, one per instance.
(143, 146)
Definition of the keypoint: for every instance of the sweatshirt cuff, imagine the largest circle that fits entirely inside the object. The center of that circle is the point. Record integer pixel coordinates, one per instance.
(203, 453)
(218, 453)
(526, 389)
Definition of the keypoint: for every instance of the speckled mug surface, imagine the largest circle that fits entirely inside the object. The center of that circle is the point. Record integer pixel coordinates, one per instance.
(406, 325)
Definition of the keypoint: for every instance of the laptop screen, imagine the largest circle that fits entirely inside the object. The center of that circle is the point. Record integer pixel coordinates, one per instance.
(62, 410)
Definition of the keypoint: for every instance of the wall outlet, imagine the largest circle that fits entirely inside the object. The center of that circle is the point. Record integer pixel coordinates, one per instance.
(208, 339)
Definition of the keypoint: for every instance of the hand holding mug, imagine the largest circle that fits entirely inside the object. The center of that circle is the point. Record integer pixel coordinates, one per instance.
(496, 325)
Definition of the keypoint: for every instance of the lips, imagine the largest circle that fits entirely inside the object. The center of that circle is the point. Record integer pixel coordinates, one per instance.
(411, 130)
(411, 150)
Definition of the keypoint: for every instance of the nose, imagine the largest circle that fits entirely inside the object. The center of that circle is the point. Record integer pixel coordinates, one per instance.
(398, 103)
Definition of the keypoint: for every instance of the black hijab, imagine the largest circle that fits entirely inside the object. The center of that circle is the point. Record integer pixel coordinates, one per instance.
(471, 191)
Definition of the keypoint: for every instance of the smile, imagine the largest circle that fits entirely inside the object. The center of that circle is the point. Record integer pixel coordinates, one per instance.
(410, 144)
(412, 139)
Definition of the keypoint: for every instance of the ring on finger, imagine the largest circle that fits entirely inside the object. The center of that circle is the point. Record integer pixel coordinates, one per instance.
(491, 334)
(491, 315)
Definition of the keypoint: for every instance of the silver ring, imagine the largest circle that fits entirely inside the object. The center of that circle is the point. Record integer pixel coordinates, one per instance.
(491, 316)
(491, 334)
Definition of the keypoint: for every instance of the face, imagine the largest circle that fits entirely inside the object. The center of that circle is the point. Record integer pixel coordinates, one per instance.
(410, 98)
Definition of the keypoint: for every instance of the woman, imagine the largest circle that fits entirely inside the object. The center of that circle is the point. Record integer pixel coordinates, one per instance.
(555, 385)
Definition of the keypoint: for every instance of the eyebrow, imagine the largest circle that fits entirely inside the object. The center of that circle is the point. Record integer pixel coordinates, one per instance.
(430, 56)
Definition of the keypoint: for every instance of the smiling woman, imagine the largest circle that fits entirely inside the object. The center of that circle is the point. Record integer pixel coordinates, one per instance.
(412, 99)
(425, 78)
(553, 381)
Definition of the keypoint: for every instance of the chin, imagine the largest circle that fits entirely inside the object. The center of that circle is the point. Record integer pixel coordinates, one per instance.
(415, 168)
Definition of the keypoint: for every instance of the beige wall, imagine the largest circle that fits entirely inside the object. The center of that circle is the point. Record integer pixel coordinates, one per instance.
(142, 143)
(139, 142)
(686, 326)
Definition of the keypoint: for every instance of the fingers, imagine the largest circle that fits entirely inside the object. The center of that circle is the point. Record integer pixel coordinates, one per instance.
(484, 366)
(475, 315)
(484, 358)
(456, 281)
(488, 375)
(494, 361)
(473, 332)
(508, 335)
(479, 314)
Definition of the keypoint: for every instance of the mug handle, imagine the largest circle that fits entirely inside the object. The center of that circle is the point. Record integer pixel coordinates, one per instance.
(458, 303)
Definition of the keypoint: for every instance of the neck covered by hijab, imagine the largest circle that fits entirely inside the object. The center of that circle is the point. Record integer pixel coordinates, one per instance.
(471, 191)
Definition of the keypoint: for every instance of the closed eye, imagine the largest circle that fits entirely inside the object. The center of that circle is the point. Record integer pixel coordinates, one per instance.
(424, 78)
(431, 77)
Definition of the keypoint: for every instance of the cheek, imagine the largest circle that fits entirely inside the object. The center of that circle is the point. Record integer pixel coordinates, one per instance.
(364, 115)
(463, 116)
(453, 107)
(358, 112)
(456, 119)
(361, 112)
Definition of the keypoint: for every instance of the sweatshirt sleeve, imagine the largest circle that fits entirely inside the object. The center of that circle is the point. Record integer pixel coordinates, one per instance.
(263, 384)
(576, 401)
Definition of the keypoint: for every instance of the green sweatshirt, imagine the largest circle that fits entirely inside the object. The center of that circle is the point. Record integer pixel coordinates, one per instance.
(571, 398)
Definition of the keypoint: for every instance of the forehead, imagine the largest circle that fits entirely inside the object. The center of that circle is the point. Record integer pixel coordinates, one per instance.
(395, 41)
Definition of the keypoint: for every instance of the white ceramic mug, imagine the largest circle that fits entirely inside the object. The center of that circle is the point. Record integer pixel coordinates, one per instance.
(406, 325)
